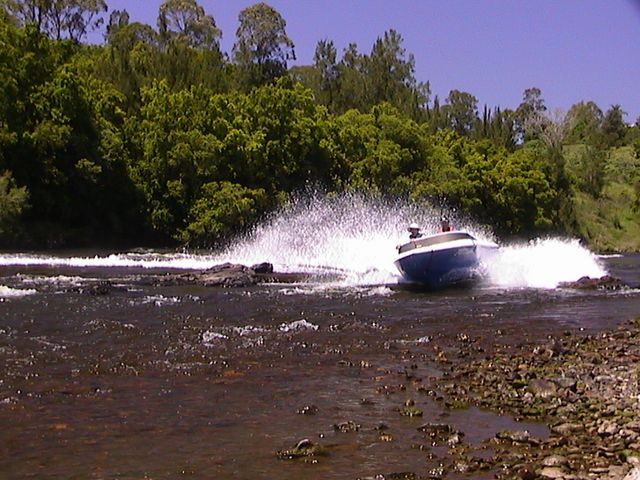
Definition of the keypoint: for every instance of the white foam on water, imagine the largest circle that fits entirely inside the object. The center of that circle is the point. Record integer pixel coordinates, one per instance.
(297, 326)
(210, 338)
(8, 292)
(350, 240)
(126, 260)
(58, 280)
(249, 330)
(160, 300)
(610, 255)
(543, 263)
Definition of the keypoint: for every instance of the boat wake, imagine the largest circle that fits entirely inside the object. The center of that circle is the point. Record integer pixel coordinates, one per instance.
(354, 237)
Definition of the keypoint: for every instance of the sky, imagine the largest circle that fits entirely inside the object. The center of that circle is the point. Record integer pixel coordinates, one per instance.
(572, 50)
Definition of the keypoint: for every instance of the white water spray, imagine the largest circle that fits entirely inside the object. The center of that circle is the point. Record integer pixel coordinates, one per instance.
(356, 237)
(543, 264)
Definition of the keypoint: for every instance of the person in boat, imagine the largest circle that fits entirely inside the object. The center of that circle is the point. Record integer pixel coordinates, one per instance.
(414, 231)
(445, 226)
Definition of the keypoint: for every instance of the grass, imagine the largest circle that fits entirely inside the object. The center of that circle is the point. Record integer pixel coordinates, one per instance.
(611, 221)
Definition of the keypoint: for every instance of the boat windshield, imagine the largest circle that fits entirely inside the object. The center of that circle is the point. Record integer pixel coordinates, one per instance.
(434, 240)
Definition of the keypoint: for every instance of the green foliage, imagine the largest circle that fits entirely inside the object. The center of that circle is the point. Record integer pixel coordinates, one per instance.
(613, 127)
(13, 202)
(158, 136)
(587, 169)
(586, 120)
(222, 209)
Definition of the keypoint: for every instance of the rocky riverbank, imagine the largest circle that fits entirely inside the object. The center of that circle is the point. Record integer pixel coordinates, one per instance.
(585, 388)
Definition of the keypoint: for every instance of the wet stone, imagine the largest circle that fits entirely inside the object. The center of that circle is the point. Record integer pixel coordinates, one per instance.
(304, 448)
(542, 388)
(517, 436)
(552, 472)
(441, 434)
(346, 427)
(563, 382)
(410, 410)
(555, 461)
(567, 428)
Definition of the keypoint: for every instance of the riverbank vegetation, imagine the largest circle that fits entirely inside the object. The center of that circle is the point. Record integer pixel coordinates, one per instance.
(158, 136)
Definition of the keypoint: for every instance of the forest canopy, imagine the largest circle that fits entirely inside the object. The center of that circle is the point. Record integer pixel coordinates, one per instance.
(157, 135)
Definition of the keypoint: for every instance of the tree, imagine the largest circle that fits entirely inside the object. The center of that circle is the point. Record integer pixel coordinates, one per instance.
(462, 110)
(262, 48)
(13, 202)
(131, 58)
(222, 208)
(585, 119)
(324, 60)
(30, 12)
(614, 128)
(551, 127)
(117, 20)
(391, 76)
(60, 18)
(590, 171)
(354, 82)
(532, 105)
(186, 21)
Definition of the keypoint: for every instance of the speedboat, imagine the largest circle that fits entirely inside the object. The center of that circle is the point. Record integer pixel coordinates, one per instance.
(443, 259)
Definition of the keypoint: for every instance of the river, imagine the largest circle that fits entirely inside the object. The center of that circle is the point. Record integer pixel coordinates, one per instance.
(168, 382)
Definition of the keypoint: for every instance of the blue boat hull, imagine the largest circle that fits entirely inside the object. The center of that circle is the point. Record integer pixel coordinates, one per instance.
(441, 268)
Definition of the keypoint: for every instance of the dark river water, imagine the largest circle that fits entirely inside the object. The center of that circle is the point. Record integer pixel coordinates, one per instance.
(188, 382)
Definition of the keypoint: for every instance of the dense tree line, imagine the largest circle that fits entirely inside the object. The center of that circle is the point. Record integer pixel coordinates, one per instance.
(159, 136)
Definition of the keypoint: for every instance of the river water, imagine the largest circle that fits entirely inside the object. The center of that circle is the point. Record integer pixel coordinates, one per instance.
(168, 382)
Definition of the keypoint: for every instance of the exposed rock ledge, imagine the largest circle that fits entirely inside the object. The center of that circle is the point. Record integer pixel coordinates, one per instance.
(233, 275)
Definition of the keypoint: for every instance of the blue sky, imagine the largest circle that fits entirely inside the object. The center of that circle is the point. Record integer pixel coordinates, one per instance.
(572, 50)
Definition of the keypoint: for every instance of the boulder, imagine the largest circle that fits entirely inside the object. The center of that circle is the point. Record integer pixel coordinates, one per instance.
(227, 275)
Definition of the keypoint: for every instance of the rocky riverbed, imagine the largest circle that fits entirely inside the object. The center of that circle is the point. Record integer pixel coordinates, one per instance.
(585, 388)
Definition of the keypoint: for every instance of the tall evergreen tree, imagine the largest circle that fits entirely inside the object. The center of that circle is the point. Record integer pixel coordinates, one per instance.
(262, 48)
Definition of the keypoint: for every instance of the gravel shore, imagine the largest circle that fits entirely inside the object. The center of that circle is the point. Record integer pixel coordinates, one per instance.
(585, 388)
